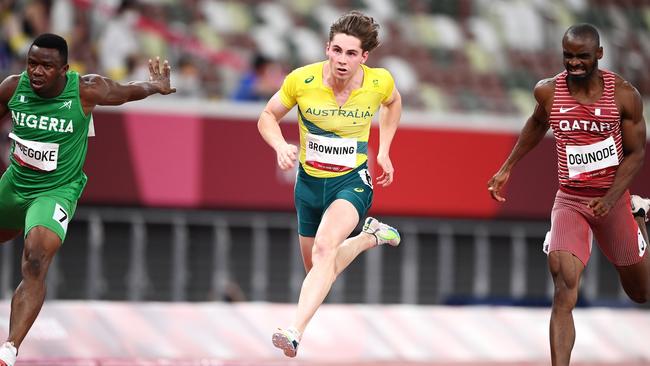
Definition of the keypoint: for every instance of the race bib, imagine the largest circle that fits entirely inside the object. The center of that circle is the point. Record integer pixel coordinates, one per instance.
(35, 155)
(334, 154)
(590, 158)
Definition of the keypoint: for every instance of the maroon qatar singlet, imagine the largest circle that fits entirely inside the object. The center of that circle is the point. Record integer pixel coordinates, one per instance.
(587, 138)
(589, 149)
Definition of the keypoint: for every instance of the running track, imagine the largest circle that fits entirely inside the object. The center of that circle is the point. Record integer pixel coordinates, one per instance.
(99, 362)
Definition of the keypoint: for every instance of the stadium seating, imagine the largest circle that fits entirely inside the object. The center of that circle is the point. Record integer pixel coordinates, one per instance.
(447, 56)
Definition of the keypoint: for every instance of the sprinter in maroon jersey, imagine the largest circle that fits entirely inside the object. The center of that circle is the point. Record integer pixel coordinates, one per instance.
(600, 134)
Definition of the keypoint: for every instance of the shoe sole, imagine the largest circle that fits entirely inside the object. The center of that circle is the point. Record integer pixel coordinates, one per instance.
(282, 342)
(387, 242)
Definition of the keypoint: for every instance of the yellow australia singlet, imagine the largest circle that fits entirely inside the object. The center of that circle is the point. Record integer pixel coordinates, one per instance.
(333, 138)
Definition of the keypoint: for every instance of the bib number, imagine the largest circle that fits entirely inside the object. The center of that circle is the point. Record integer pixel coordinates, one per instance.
(591, 158)
(61, 216)
(35, 155)
(333, 154)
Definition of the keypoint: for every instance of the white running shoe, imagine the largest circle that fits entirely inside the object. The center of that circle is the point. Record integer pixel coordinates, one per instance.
(383, 233)
(287, 340)
(640, 206)
(8, 354)
(547, 243)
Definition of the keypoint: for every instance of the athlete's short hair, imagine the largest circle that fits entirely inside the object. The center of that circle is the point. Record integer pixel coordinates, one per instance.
(584, 30)
(49, 40)
(359, 25)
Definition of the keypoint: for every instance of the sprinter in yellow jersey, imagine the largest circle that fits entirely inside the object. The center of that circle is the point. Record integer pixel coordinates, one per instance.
(336, 101)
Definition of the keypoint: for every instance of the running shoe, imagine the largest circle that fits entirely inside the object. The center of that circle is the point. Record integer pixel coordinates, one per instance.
(287, 340)
(383, 233)
(8, 354)
(547, 243)
(640, 206)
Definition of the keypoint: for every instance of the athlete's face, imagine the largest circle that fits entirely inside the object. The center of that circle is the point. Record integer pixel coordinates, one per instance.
(345, 55)
(46, 70)
(581, 55)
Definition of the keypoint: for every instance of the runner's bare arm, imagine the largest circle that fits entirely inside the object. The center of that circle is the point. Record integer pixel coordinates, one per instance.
(269, 127)
(532, 133)
(7, 89)
(100, 90)
(633, 132)
(389, 116)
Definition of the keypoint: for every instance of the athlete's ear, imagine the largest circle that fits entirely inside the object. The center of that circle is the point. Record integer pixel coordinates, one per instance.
(64, 69)
(364, 56)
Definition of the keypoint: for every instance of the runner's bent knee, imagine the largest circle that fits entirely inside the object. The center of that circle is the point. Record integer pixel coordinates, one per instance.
(324, 248)
(635, 280)
(565, 270)
(40, 246)
(638, 296)
(565, 295)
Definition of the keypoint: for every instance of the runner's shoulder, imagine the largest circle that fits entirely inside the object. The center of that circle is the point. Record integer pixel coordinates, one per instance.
(544, 89)
(8, 87)
(91, 81)
(628, 98)
(92, 87)
(625, 89)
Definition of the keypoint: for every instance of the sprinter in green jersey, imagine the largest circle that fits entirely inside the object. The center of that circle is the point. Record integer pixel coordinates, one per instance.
(50, 108)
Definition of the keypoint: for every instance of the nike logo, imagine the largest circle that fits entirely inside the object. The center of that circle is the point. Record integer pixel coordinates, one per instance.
(309, 79)
(564, 110)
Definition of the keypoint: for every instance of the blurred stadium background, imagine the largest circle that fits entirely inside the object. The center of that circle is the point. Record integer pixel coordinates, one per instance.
(184, 247)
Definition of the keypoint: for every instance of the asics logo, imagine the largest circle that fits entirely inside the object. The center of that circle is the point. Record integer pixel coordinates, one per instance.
(564, 110)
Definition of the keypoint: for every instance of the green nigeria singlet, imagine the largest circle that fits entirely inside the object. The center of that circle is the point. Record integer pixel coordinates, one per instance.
(49, 137)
